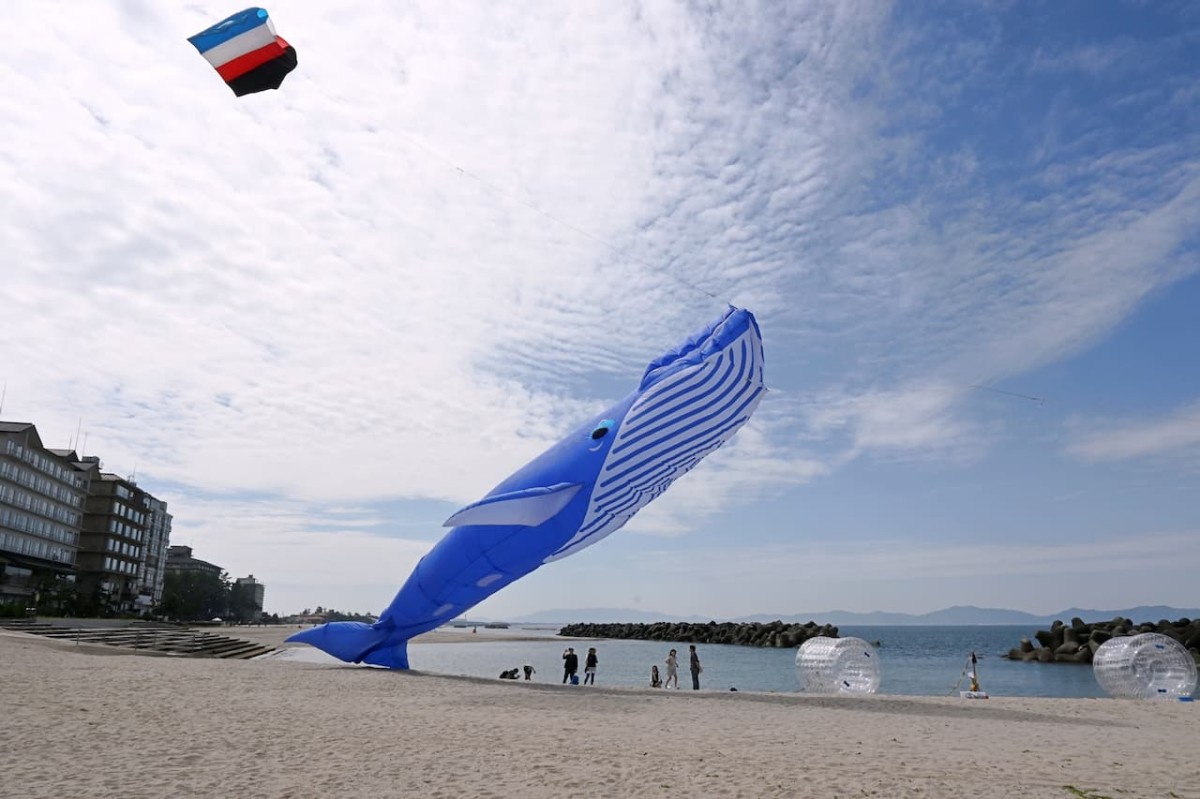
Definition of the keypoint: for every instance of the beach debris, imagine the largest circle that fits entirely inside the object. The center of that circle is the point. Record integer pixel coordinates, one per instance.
(246, 51)
(837, 666)
(690, 401)
(1145, 666)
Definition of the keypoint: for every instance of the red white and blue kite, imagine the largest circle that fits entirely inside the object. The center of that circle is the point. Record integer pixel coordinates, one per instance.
(245, 50)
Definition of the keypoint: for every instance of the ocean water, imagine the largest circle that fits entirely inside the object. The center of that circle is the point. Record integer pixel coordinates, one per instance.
(914, 661)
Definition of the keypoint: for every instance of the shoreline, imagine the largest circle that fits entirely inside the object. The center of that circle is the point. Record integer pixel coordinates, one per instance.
(82, 724)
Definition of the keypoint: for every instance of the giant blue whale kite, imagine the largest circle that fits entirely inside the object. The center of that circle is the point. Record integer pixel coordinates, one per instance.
(691, 400)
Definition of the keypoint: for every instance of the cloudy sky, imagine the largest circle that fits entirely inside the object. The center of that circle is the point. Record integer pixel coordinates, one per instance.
(317, 321)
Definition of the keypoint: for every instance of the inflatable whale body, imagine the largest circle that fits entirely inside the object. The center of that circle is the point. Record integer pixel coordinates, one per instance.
(690, 401)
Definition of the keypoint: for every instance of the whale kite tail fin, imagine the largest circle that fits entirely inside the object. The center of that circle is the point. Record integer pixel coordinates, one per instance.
(355, 642)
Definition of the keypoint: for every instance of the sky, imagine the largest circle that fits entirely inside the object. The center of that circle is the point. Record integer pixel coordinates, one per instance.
(317, 321)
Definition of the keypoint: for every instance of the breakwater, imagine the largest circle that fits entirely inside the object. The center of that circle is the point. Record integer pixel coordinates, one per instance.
(1078, 641)
(777, 634)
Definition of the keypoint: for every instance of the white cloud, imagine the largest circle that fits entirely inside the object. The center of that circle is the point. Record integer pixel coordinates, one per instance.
(908, 420)
(337, 564)
(456, 230)
(1176, 432)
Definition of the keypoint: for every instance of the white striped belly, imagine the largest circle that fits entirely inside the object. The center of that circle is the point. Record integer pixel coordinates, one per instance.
(667, 431)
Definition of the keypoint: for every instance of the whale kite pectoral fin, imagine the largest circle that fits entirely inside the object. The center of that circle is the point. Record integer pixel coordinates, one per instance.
(529, 507)
(355, 642)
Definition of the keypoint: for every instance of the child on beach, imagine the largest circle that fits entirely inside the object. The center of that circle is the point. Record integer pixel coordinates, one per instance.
(655, 682)
(672, 671)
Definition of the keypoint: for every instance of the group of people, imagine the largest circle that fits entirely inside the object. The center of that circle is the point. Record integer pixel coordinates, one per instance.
(673, 670)
(571, 669)
(571, 666)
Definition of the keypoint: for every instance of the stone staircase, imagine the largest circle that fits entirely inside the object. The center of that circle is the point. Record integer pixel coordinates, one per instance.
(150, 637)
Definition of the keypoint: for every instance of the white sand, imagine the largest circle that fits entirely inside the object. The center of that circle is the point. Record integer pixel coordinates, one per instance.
(77, 724)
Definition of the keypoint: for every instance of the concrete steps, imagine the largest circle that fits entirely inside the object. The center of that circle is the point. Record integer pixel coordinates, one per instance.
(175, 640)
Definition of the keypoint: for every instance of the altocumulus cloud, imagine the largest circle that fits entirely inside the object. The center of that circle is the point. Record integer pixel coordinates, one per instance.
(457, 229)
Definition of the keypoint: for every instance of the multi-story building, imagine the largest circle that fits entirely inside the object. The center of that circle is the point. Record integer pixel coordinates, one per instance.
(64, 521)
(112, 543)
(254, 590)
(42, 497)
(179, 559)
(158, 538)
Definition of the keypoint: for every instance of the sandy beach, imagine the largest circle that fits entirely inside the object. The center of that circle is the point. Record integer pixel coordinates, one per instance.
(76, 723)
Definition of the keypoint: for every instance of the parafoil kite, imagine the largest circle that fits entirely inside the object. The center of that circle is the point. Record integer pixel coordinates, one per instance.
(245, 50)
(690, 401)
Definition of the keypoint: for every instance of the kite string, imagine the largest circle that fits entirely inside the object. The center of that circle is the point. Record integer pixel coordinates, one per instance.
(500, 191)
(1038, 400)
(960, 678)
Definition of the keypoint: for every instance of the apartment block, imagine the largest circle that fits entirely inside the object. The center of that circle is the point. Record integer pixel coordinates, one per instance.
(158, 539)
(253, 589)
(42, 499)
(66, 523)
(179, 559)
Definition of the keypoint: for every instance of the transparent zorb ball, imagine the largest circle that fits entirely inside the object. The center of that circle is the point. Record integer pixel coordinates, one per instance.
(1145, 666)
(837, 665)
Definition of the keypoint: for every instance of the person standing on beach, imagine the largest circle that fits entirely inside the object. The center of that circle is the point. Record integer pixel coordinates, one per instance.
(589, 667)
(695, 668)
(529, 671)
(672, 671)
(570, 664)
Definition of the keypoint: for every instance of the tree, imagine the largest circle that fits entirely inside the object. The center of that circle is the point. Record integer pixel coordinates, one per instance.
(55, 596)
(190, 595)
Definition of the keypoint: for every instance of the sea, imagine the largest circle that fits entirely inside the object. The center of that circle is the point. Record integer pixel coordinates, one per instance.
(913, 661)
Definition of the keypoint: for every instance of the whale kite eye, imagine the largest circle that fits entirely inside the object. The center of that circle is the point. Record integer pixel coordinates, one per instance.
(602, 429)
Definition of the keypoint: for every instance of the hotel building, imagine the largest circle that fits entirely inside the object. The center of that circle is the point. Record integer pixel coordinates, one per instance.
(42, 499)
(64, 523)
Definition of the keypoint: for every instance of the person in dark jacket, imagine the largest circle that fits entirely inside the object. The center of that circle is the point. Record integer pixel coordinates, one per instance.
(694, 664)
(570, 664)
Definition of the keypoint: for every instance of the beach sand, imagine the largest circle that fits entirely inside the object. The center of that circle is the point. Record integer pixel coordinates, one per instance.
(78, 724)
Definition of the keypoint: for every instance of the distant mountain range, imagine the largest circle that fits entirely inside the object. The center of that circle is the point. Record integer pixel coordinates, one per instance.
(959, 614)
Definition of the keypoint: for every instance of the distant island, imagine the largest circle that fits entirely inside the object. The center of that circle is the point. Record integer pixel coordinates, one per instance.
(957, 615)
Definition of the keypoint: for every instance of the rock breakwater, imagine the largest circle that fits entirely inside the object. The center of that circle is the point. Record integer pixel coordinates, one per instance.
(777, 634)
(1078, 641)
